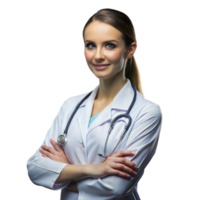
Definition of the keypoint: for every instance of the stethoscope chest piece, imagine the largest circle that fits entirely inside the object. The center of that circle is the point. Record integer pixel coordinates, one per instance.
(62, 139)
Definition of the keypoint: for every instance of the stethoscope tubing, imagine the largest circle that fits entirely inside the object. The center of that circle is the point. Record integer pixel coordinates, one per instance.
(147, 159)
(62, 139)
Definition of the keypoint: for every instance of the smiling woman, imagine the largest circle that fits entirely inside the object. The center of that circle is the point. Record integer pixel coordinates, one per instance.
(76, 166)
(110, 36)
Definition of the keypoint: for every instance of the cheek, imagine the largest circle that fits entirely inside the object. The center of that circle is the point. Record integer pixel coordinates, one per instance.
(115, 56)
(88, 56)
(112, 56)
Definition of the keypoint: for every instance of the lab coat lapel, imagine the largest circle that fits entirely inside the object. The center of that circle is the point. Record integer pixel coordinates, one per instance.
(84, 116)
(119, 105)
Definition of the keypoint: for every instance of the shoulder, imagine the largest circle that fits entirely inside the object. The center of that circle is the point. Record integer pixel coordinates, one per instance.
(147, 108)
(71, 102)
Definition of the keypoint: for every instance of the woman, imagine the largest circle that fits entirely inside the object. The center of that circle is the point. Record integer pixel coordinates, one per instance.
(76, 167)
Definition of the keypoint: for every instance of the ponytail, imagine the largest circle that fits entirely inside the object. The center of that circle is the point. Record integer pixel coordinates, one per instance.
(132, 73)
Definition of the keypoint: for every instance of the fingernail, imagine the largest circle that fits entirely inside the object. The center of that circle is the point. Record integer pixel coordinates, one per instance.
(128, 175)
(135, 173)
(136, 168)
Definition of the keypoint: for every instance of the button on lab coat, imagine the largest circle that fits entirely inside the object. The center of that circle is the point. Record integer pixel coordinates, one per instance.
(85, 143)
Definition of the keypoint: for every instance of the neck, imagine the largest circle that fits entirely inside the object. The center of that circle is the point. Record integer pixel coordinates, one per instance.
(108, 88)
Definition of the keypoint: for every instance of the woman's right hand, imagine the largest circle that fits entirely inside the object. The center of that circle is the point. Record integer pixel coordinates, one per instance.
(115, 165)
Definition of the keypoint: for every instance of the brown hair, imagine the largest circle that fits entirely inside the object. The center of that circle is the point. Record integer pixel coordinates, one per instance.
(121, 22)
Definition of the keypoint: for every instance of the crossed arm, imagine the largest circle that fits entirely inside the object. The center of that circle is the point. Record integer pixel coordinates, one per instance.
(72, 186)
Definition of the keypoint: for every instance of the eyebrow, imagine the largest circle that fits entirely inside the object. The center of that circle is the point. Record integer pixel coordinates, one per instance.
(103, 42)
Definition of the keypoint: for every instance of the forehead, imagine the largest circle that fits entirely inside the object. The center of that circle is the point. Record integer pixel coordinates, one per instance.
(100, 31)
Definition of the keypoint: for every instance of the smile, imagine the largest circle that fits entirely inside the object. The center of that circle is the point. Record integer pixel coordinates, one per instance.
(101, 67)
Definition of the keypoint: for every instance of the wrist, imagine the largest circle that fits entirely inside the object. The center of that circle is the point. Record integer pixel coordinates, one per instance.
(90, 171)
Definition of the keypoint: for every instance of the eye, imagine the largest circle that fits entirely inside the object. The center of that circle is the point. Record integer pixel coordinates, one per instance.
(113, 46)
(108, 44)
(89, 45)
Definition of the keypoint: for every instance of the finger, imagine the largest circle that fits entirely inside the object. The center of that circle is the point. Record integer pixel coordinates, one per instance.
(122, 174)
(127, 162)
(56, 145)
(44, 156)
(123, 153)
(49, 149)
(128, 152)
(123, 167)
(43, 152)
(46, 153)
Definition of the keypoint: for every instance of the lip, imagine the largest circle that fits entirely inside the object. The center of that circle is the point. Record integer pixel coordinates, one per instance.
(100, 64)
(97, 67)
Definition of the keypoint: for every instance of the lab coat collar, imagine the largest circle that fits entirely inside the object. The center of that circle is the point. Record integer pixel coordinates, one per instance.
(120, 104)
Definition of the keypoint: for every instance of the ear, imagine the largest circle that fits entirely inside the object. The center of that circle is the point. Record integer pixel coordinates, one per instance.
(131, 50)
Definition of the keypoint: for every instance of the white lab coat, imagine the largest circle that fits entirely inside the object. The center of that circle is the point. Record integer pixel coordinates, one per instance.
(84, 143)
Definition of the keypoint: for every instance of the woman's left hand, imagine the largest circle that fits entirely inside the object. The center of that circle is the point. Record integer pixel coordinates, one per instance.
(57, 155)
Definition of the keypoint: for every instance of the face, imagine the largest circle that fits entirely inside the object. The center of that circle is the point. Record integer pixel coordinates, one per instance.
(104, 45)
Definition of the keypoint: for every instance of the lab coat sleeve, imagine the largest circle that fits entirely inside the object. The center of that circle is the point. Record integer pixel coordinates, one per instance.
(44, 171)
(143, 134)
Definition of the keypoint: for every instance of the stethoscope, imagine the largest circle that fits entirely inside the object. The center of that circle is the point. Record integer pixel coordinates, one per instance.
(62, 139)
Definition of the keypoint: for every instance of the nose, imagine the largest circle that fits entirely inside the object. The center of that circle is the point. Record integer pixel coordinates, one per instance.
(99, 55)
